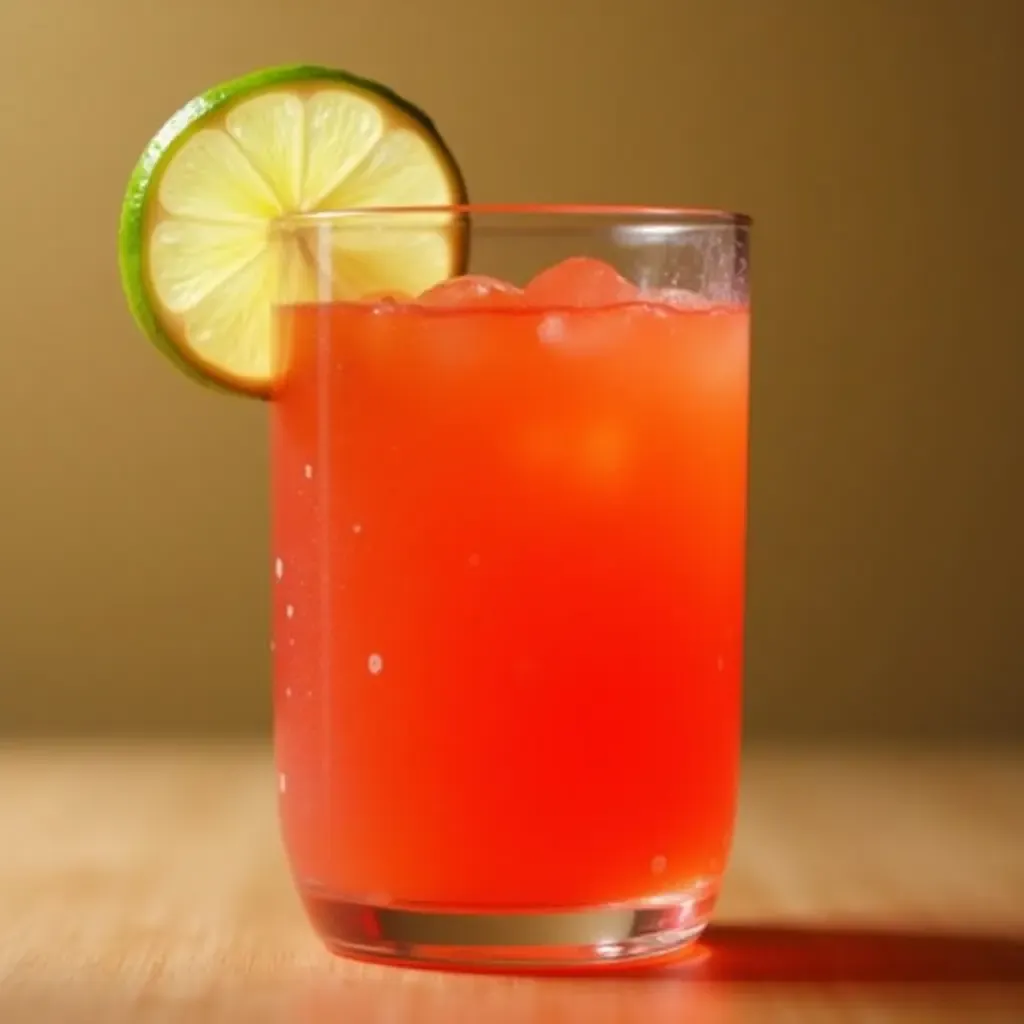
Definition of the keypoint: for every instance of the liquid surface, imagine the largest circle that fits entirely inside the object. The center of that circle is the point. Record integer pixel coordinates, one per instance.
(508, 594)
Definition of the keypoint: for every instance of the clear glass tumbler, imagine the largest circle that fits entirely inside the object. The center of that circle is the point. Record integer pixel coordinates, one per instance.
(508, 563)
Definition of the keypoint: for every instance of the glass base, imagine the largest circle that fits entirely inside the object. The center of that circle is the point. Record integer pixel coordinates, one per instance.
(634, 932)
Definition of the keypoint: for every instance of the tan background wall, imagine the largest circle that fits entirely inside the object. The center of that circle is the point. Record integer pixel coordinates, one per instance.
(877, 144)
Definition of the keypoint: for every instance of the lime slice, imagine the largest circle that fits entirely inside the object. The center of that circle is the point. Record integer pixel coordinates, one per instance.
(200, 264)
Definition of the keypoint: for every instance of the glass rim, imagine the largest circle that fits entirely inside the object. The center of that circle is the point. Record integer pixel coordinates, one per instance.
(683, 216)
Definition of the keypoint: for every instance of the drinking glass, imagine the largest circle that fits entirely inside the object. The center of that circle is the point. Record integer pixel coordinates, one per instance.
(508, 574)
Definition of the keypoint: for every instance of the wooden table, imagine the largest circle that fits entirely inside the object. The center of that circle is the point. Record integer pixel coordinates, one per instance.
(147, 884)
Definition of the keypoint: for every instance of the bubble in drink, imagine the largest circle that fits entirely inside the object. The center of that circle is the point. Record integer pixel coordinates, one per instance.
(580, 281)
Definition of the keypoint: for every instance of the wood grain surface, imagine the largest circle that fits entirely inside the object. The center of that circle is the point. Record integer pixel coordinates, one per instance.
(144, 884)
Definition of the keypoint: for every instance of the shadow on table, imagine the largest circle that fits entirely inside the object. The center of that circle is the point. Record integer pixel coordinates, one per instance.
(791, 954)
(723, 980)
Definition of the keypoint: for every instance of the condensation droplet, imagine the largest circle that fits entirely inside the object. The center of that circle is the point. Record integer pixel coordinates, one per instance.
(474, 560)
(308, 471)
(721, 664)
(291, 641)
(273, 647)
(375, 664)
(278, 567)
(289, 610)
(282, 782)
(357, 527)
(658, 864)
(287, 691)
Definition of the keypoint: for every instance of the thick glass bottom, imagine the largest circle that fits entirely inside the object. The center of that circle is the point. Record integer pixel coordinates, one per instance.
(635, 932)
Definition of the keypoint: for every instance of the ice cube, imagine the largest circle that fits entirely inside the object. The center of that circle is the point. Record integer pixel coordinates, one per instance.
(587, 331)
(580, 281)
(551, 329)
(471, 290)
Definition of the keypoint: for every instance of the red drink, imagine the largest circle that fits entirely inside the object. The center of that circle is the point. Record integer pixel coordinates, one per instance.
(508, 612)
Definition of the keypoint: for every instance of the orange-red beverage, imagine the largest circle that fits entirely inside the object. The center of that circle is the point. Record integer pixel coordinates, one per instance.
(508, 614)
